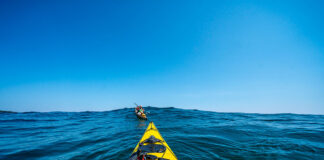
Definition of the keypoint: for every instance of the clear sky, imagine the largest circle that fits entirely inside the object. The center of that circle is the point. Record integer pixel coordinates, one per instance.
(227, 56)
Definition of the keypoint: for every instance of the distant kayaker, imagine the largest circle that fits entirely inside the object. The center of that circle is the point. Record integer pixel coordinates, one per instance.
(139, 109)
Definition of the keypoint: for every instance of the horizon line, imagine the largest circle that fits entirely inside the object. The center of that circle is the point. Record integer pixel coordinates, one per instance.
(9, 111)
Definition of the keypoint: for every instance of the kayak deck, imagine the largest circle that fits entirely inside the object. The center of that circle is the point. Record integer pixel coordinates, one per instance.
(142, 116)
(152, 132)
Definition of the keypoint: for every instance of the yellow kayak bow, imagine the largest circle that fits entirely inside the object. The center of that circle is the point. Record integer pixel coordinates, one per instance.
(152, 146)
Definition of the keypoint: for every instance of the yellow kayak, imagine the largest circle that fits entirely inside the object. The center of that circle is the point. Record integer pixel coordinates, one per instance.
(152, 146)
(142, 116)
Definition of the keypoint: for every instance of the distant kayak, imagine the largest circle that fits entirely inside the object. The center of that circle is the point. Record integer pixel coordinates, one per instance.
(152, 146)
(141, 116)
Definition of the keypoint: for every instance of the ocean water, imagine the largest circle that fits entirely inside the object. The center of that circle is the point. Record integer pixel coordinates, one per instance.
(191, 134)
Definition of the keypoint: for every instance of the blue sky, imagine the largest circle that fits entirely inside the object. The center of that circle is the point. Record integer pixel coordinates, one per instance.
(227, 56)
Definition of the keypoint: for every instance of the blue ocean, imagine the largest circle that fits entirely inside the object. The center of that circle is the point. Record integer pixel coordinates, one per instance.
(191, 134)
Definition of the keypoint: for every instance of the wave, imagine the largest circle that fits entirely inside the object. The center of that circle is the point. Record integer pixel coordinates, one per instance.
(192, 134)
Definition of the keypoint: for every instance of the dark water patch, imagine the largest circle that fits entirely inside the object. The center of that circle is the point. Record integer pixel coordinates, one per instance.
(7, 112)
(191, 134)
(26, 120)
